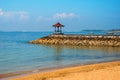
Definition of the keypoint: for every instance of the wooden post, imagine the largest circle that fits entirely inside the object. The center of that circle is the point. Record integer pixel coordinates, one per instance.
(60, 29)
(55, 29)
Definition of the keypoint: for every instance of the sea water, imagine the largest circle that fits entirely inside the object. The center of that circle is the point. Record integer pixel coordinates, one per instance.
(16, 54)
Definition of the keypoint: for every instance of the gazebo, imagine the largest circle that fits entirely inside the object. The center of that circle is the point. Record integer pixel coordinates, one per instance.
(58, 28)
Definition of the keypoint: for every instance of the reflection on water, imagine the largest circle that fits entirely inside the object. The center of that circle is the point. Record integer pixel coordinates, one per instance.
(82, 54)
(57, 52)
(108, 50)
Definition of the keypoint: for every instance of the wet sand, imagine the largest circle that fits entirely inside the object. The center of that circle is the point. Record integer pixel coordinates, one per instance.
(99, 71)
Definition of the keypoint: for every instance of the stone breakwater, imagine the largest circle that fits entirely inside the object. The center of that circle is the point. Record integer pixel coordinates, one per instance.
(80, 40)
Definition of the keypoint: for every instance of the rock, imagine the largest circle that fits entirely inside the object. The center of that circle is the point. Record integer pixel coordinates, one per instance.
(81, 40)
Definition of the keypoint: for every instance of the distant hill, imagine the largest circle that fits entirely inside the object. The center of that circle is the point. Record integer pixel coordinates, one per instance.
(93, 30)
(118, 30)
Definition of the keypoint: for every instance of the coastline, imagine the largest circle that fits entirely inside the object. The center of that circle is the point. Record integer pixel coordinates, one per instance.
(65, 73)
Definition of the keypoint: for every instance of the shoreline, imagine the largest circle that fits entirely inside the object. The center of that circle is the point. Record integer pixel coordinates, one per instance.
(61, 72)
(40, 70)
(7, 76)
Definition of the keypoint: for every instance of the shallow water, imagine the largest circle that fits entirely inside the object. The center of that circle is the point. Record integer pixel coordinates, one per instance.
(17, 55)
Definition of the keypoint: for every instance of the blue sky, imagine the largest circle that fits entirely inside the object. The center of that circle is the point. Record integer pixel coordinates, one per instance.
(76, 15)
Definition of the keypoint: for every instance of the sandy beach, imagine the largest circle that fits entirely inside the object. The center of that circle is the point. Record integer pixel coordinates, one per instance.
(99, 71)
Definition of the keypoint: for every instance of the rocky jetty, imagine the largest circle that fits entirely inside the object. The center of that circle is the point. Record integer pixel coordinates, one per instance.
(80, 40)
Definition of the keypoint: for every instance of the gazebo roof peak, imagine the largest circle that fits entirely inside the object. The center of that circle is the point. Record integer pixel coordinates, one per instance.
(58, 24)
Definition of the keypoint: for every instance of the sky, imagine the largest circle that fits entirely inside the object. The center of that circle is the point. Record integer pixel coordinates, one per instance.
(76, 15)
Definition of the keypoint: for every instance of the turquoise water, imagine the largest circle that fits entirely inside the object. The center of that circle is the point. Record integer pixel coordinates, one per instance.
(16, 54)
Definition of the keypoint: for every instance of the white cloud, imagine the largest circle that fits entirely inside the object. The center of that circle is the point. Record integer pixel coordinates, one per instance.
(1, 12)
(23, 15)
(64, 15)
(20, 15)
(39, 18)
(9, 15)
(5, 14)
